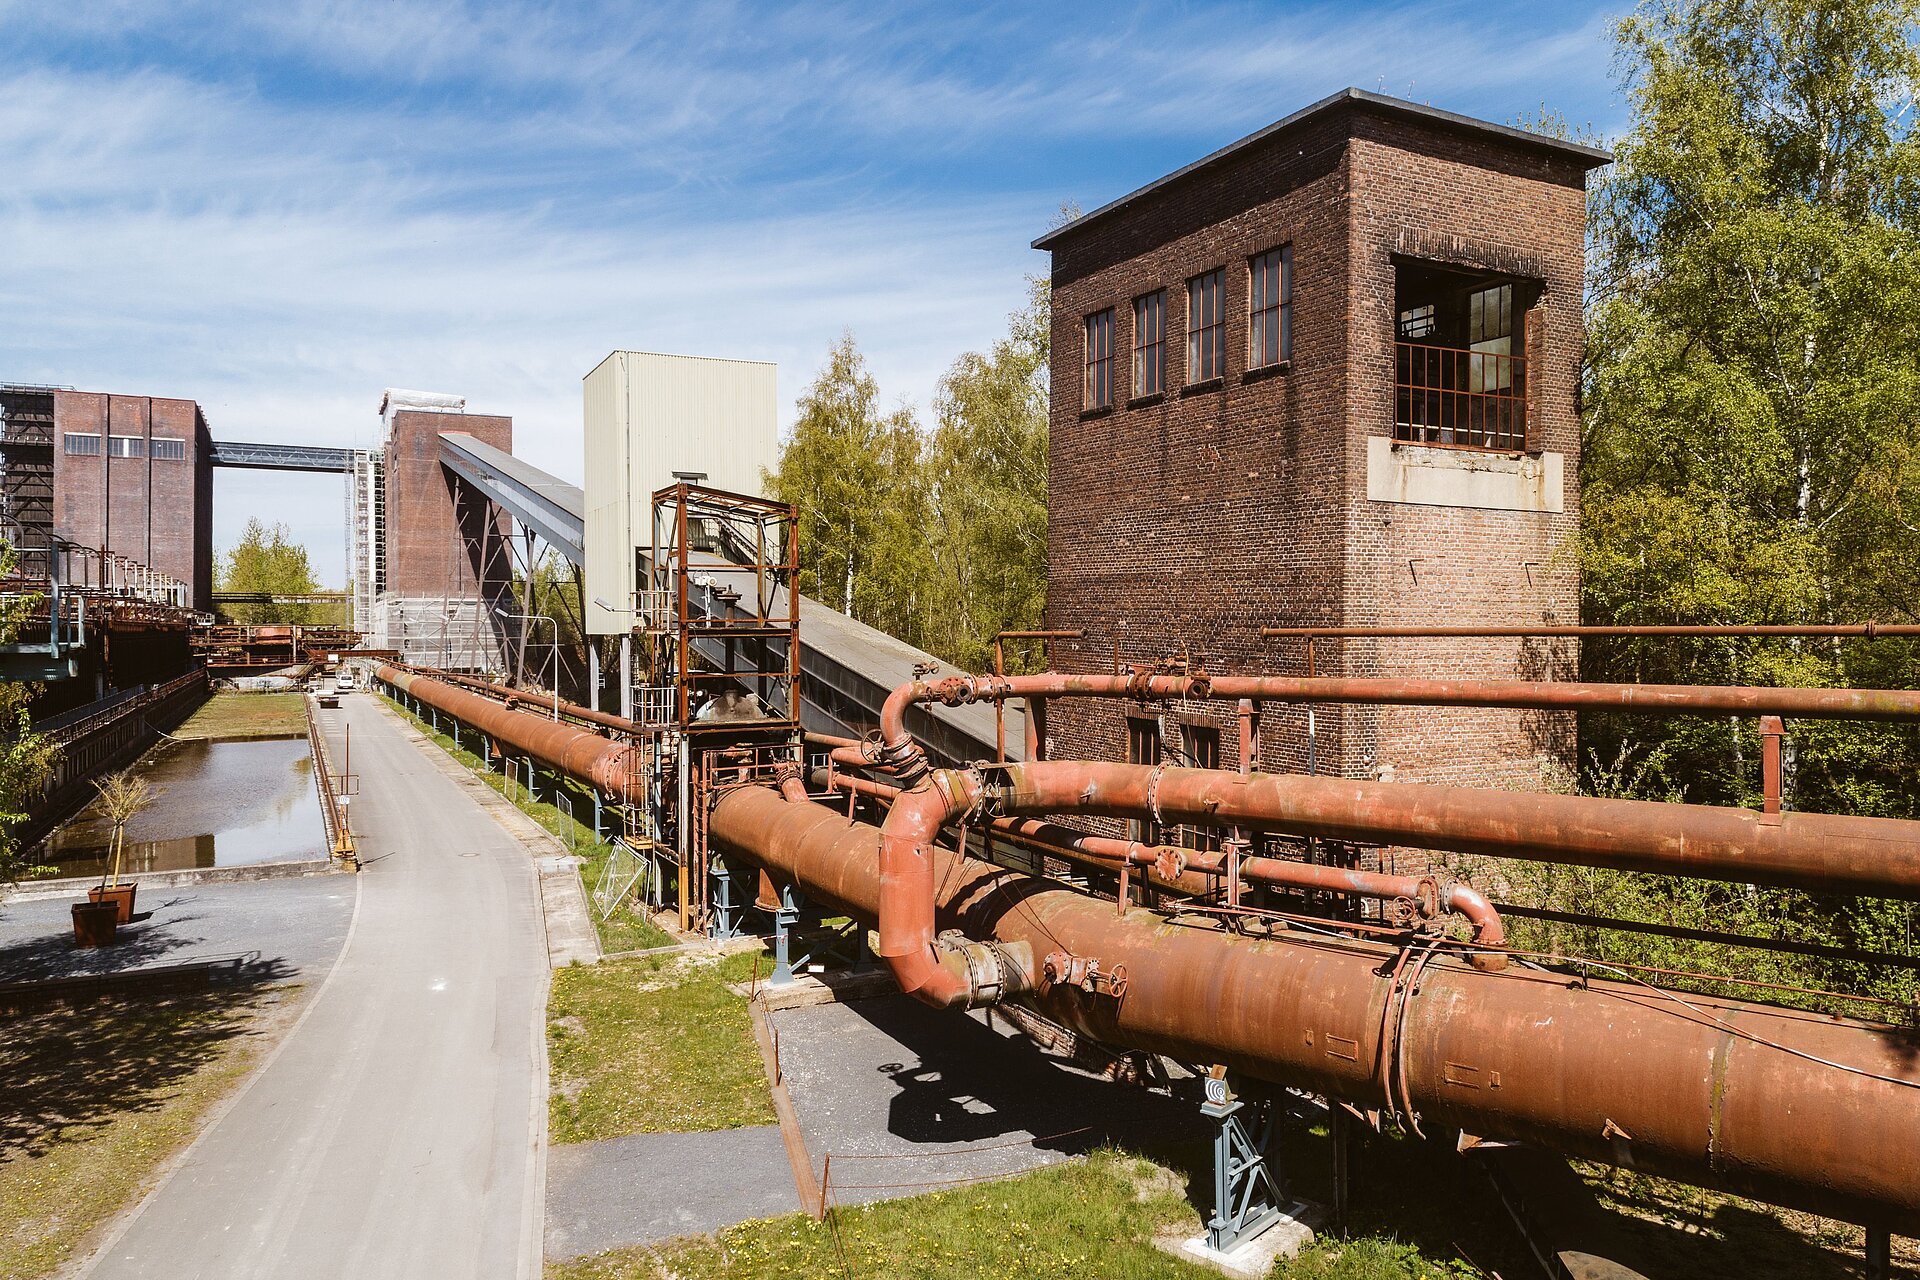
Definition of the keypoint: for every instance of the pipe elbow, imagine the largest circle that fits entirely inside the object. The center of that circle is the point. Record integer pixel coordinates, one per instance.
(1489, 930)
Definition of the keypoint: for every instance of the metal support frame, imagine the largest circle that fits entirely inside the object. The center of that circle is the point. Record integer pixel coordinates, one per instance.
(726, 909)
(785, 916)
(1248, 1187)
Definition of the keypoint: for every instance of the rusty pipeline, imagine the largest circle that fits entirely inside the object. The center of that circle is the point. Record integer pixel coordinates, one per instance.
(1812, 851)
(520, 697)
(1411, 899)
(1799, 1109)
(618, 769)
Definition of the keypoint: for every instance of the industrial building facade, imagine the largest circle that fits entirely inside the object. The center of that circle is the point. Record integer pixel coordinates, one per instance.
(1325, 376)
(133, 476)
(431, 573)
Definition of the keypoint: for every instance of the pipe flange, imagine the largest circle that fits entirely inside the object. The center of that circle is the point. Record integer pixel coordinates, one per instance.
(1171, 864)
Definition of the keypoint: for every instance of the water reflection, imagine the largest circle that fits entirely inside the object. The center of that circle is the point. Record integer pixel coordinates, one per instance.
(216, 804)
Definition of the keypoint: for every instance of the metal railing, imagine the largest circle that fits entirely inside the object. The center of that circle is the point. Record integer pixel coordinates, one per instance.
(1454, 398)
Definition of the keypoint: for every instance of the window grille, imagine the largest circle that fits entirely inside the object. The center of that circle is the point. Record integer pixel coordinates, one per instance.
(1150, 344)
(82, 446)
(167, 449)
(1270, 308)
(1206, 327)
(1099, 388)
(126, 447)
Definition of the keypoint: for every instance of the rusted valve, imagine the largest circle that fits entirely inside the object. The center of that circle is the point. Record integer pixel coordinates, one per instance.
(1063, 969)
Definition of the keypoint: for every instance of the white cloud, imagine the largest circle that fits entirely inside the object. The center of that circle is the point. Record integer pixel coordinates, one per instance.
(280, 209)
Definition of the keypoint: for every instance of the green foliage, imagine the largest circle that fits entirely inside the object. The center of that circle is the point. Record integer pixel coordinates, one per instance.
(854, 472)
(988, 485)
(267, 560)
(937, 538)
(1752, 426)
(26, 758)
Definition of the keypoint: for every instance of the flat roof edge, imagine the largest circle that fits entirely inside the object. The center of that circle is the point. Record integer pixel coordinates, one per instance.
(1593, 156)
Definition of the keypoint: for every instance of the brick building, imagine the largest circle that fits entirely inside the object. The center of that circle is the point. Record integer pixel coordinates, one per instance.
(1323, 376)
(133, 475)
(442, 581)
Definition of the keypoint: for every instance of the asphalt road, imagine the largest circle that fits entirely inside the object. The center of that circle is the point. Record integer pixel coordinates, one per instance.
(398, 1130)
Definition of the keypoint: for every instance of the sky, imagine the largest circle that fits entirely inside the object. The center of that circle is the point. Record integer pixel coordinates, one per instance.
(279, 209)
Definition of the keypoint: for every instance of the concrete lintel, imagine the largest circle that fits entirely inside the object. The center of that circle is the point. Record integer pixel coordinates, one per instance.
(1422, 476)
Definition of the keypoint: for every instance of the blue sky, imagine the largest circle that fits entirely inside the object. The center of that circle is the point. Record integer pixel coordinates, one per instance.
(278, 209)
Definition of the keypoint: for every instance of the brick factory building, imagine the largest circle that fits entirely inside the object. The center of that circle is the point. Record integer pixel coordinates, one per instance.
(1324, 376)
(431, 574)
(133, 475)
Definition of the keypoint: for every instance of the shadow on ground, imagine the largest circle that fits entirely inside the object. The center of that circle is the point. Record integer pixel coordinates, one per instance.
(72, 1069)
(968, 1084)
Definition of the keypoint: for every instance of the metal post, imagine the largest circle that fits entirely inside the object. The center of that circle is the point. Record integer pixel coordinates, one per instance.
(1341, 1126)
(1879, 1254)
(626, 678)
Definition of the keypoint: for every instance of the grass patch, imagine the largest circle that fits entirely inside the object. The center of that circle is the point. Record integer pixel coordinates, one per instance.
(627, 928)
(97, 1098)
(230, 715)
(1092, 1217)
(654, 1044)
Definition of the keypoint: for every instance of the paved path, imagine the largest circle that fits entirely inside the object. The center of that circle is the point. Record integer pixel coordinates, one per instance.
(398, 1130)
(652, 1186)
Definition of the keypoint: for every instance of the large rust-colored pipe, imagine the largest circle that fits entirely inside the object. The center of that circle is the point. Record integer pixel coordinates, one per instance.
(1539, 695)
(618, 769)
(1183, 869)
(1603, 1070)
(1812, 851)
(520, 697)
(1861, 630)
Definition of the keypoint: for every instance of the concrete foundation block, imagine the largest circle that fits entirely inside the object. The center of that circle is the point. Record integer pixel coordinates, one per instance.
(1252, 1259)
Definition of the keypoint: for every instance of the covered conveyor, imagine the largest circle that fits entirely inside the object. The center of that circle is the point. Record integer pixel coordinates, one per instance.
(847, 668)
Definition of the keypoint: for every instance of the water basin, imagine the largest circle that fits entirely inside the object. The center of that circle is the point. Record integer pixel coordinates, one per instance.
(215, 804)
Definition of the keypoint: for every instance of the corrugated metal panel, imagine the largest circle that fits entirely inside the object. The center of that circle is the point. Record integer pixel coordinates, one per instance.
(646, 416)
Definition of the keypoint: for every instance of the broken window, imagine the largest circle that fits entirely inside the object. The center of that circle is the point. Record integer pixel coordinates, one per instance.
(1460, 357)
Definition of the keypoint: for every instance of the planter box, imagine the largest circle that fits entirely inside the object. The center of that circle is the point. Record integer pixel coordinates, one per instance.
(95, 923)
(121, 895)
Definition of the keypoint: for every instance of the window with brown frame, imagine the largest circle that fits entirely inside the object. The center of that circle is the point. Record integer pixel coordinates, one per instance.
(1150, 343)
(1099, 388)
(1270, 308)
(1143, 747)
(1206, 326)
(1202, 746)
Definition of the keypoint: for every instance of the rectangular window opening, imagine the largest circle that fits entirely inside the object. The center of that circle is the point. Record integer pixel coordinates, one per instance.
(1099, 386)
(1150, 344)
(81, 445)
(1460, 358)
(1201, 745)
(1270, 308)
(168, 449)
(1143, 747)
(126, 447)
(1206, 326)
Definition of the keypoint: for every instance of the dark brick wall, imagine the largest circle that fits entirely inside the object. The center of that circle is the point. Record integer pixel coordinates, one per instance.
(156, 511)
(428, 554)
(1186, 522)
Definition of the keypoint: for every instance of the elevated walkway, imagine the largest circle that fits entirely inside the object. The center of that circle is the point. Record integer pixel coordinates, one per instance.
(847, 668)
